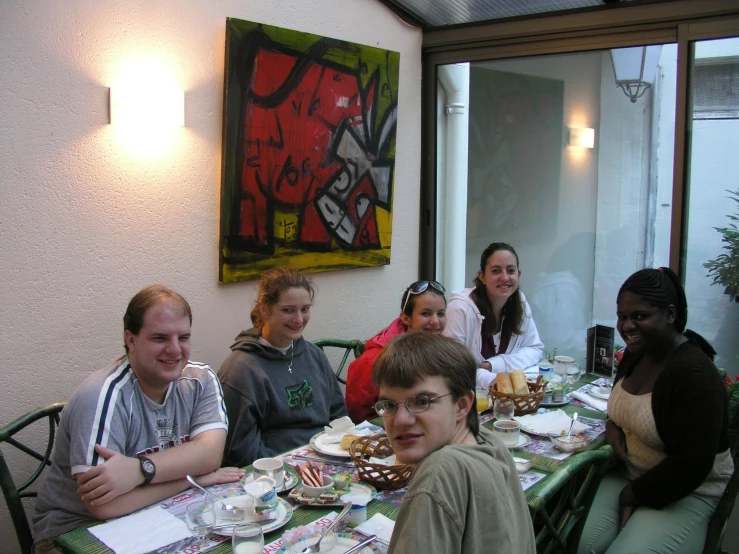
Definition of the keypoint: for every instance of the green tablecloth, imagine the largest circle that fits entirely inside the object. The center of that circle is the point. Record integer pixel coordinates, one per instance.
(558, 474)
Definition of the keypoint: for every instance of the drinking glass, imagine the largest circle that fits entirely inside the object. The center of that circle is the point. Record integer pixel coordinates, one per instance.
(482, 399)
(503, 409)
(201, 518)
(248, 539)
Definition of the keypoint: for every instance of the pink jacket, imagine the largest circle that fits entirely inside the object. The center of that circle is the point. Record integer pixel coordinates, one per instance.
(361, 392)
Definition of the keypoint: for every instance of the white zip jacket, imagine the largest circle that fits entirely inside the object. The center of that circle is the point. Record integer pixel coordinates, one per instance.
(464, 323)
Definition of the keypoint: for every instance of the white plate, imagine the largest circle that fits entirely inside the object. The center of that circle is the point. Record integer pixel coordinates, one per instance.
(600, 392)
(345, 542)
(283, 513)
(523, 440)
(318, 443)
(359, 488)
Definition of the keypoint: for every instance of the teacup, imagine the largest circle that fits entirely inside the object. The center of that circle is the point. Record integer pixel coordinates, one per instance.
(263, 492)
(562, 364)
(508, 431)
(271, 467)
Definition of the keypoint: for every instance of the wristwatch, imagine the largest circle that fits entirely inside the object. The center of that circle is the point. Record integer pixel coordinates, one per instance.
(148, 469)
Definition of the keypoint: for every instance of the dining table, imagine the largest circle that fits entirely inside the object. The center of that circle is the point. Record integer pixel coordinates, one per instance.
(558, 489)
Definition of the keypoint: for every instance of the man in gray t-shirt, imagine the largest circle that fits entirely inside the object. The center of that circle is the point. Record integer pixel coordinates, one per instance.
(134, 430)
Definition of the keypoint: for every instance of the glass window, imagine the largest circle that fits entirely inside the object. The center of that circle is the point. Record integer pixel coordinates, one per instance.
(714, 167)
(582, 219)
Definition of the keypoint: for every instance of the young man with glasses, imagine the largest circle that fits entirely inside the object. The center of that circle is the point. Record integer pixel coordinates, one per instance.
(465, 495)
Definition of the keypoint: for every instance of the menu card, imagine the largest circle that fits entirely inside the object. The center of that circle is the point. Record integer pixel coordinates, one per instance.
(600, 344)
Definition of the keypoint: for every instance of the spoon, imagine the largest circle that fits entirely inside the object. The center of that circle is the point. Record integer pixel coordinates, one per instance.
(574, 419)
(317, 547)
(236, 512)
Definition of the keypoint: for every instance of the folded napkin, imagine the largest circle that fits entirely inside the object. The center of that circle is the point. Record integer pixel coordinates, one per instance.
(141, 532)
(379, 525)
(590, 400)
(550, 422)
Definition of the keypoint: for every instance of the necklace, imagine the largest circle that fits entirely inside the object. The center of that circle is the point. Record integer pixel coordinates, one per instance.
(292, 355)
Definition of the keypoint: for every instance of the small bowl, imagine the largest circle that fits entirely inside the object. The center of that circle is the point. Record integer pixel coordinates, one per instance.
(299, 538)
(522, 464)
(328, 484)
(342, 481)
(576, 442)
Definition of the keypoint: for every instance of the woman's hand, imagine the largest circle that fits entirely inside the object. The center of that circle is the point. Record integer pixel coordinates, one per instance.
(626, 505)
(222, 475)
(616, 438)
(486, 365)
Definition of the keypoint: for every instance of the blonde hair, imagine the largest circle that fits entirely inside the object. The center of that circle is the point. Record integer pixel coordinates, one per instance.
(272, 284)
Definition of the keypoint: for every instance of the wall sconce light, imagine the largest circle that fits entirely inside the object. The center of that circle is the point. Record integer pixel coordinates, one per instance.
(145, 107)
(584, 138)
(635, 69)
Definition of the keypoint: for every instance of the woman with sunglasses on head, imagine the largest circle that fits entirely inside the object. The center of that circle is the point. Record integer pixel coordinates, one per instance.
(422, 308)
(493, 319)
(668, 428)
(279, 389)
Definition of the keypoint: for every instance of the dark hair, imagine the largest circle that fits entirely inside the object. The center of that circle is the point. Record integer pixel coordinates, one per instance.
(513, 308)
(662, 288)
(133, 319)
(412, 300)
(411, 356)
(272, 284)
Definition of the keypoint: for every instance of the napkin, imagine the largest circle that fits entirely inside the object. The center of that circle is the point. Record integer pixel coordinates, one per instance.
(550, 422)
(141, 532)
(379, 525)
(590, 400)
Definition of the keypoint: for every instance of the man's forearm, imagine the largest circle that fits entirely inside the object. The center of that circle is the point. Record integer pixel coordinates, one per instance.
(138, 498)
(197, 457)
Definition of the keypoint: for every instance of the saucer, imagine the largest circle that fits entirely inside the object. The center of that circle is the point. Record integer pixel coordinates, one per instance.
(523, 440)
(600, 392)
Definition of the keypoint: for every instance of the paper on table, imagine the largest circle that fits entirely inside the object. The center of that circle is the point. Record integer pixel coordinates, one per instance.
(141, 532)
(550, 422)
(590, 400)
(379, 525)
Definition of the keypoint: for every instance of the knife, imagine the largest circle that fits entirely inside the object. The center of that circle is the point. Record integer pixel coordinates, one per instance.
(261, 522)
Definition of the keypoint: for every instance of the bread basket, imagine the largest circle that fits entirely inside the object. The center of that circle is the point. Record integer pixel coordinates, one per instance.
(523, 403)
(381, 476)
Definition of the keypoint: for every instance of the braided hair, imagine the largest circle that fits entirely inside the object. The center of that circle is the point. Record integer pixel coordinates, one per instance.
(662, 288)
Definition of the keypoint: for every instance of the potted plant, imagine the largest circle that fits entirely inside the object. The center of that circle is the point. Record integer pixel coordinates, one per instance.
(725, 268)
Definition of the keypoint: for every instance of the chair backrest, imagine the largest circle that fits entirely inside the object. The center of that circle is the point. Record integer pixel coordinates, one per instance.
(15, 493)
(720, 518)
(354, 346)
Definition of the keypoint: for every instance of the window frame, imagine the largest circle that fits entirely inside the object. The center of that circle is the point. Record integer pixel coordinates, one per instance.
(680, 21)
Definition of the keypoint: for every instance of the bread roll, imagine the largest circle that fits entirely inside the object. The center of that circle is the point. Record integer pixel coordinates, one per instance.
(503, 382)
(347, 440)
(518, 380)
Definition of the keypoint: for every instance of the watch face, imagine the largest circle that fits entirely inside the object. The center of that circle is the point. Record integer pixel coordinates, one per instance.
(148, 466)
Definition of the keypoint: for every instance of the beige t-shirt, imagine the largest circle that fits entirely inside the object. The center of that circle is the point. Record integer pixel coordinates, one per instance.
(644, 448)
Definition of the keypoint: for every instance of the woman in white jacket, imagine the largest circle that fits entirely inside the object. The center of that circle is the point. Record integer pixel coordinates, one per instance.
(493, 319)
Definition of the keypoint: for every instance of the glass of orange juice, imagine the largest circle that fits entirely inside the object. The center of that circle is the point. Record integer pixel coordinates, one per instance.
(482, 398)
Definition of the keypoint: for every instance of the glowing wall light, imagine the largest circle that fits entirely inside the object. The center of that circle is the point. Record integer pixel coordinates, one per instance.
(143, 106)
(583, 138)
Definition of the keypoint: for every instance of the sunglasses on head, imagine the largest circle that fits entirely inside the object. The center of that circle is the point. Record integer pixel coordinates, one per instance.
(419, 287)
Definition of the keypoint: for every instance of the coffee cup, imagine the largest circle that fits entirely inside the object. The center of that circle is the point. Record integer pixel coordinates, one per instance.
(270, 467)
(562, 364)
(262, 490)
(508, 431)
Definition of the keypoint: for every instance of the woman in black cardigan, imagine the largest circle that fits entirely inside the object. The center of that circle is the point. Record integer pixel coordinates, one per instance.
(668, 428)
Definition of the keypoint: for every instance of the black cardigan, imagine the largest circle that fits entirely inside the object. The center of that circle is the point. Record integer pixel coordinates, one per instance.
(690, 410)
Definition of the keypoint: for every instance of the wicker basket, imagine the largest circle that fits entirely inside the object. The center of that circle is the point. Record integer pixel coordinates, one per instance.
(523, 403)
(382, 477)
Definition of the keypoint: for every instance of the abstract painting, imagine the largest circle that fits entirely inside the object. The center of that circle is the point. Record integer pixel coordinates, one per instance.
(309, 132)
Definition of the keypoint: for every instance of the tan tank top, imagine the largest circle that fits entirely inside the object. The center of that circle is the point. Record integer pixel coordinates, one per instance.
(633, 413)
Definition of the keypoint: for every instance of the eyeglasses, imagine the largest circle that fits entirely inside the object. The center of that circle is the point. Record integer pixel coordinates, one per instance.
(419, 287)
(415, 404)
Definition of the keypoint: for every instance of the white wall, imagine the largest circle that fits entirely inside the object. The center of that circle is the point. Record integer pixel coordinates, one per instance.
(84, 224)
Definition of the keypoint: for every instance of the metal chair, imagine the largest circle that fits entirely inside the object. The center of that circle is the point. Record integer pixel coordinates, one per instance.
(14, 494)
(355, 346)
